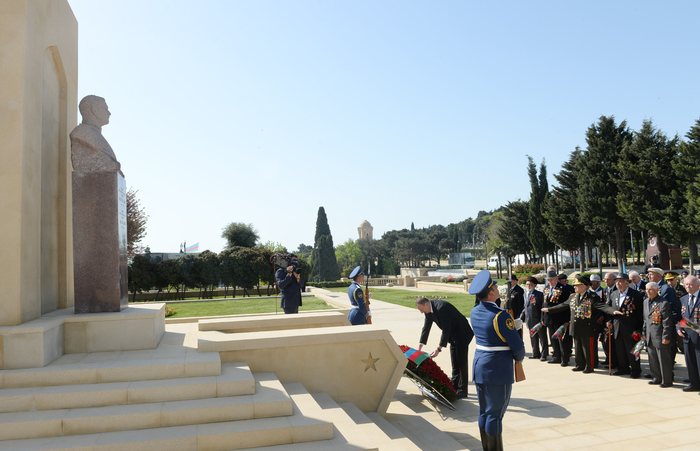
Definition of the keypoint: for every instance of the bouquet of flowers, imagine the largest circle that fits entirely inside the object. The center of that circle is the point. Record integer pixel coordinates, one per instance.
(559, 334)
(636, 335)
(638, 348)
(536, 329)
(431, 373)
(688, 324)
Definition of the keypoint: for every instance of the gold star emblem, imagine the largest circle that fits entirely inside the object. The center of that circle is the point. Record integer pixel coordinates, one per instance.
(370, 363)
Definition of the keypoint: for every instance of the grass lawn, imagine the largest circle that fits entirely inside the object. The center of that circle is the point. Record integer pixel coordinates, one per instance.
(407, 298)
(240, 306)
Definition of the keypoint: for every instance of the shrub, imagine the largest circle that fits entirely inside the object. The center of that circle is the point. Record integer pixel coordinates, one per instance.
(169, 311)
(528, 270)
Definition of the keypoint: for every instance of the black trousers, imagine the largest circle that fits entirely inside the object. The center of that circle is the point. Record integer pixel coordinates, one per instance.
(624, 343)
(661, 362)
(540, 338)
(586, 352)
(561, 349)
(692, 359)
(459, 355)
(291, 309)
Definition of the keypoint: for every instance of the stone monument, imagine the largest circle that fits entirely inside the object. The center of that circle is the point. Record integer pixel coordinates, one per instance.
(99, 215)
(365, 230)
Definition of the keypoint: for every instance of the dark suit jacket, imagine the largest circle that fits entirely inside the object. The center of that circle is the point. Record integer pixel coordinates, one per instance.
(690, 335)
(657, 332)
(291, 289)
(633, 318)
(555, 319)
(454, 325)
(516, 301)
(532, 313)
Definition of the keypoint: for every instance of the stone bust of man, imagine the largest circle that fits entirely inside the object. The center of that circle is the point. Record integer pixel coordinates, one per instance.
(90, 151)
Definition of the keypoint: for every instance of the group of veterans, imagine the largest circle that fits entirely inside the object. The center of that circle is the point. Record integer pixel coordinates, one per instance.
(661, 312)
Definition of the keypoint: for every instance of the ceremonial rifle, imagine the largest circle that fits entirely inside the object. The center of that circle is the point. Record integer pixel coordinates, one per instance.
(369, 317)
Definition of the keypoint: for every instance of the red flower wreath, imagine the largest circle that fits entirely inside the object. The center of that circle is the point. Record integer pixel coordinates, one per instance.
(431, 373)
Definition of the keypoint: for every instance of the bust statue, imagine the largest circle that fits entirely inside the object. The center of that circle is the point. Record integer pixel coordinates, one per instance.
(90, 151)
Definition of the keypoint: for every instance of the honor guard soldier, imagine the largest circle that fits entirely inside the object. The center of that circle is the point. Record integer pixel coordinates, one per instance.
(498, 346)
(358, 314)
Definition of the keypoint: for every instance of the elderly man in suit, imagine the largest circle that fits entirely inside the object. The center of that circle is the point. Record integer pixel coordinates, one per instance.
(532, 315)
(554, 294)
(608, 342)
(628, 301)
(455, 330)
(636, 282)
(658, 332)
(691, 341)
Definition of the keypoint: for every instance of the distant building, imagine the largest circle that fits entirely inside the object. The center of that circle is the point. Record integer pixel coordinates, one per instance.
(365, 230)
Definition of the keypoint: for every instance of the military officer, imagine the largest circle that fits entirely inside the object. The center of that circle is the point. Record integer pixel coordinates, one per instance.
(627, 300)
(498, 346)
(584, 307)
(359, 313)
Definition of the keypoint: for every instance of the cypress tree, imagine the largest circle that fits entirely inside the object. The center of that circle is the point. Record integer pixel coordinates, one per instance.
(598, 177)
(539, 190)
(324, 252)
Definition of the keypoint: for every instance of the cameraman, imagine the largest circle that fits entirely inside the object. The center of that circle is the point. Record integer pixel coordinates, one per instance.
(290, 283)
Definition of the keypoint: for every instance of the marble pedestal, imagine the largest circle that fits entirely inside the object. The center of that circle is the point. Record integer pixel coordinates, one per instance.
(99, 242)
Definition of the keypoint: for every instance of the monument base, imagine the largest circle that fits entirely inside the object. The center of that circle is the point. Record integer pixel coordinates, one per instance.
(37, 343)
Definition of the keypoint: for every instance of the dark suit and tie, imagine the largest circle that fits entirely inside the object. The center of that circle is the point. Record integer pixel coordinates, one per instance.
(631, 305)
(455, 330)
(690, 308)
(531, 316)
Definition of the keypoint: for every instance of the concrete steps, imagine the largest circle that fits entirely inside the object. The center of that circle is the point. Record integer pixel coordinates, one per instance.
(190, 364)
(420, 431)
(269, 400)
(234, 379)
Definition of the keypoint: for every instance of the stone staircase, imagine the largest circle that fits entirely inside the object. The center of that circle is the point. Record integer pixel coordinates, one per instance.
(190, 401)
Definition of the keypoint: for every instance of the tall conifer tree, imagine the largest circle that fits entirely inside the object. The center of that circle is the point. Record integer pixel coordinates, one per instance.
(539, 190)
(323, 254)
(598, 177)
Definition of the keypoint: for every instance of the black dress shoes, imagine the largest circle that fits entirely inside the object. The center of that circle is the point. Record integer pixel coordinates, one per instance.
(691, 388)
(554, 361)
(620, 373)
(461, 394)
(587, 370)
(666, 385)
(533, 357)
(635, 375)
(654, 382)
(576, 369)
(564, 363)
(543, 358)
(647, 376)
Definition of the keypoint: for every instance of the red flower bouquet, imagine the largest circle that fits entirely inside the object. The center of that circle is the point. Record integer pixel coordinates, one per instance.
(636, 335)
(536, 328)
(688, 324)
(559, 334)
(638, 349)
(431, 373)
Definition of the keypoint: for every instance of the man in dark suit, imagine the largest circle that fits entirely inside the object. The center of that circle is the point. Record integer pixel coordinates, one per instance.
(515, 303)
(564, 280)
(636, 282)
(532, 315)
(608, 342)
(628, 301)
(554, 294)
(658, 332)
(691, 341)
(455, 330)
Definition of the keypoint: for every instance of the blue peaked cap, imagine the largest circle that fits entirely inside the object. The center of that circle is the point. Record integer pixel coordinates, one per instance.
(355, 272)
(481, 282)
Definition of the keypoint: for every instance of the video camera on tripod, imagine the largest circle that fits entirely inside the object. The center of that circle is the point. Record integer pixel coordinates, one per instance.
(286, 260)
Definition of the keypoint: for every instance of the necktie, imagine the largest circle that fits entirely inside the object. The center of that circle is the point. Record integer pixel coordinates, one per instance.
(691, 303)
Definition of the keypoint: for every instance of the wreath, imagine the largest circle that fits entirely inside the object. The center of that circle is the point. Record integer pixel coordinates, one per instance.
(430, 372)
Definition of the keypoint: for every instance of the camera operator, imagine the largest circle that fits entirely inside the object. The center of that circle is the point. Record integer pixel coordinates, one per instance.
(290, 283)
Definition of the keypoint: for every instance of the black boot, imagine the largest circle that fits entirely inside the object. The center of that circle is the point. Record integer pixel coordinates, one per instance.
(497, 443)
(484, 439)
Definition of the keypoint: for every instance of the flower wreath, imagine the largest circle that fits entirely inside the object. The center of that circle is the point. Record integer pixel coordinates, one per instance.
(431, 373)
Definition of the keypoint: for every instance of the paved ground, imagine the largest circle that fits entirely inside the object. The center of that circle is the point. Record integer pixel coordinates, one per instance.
(555, 408)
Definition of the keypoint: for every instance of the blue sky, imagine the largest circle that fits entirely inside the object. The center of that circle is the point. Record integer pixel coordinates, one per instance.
(389, 111)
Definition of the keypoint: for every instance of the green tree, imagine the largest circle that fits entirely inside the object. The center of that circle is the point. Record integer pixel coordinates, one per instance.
(598, 176)
(240, 234)
(136, 219)
(227, 264)
(273, 247)
(348, 255)
(304, 250)
(208, 272)
(188, 272)
(563, 223)
(539, 190)
(324, 266)
(514, 228)
(167, 275)
(141, 275)
(686, 168)
(264, 268)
